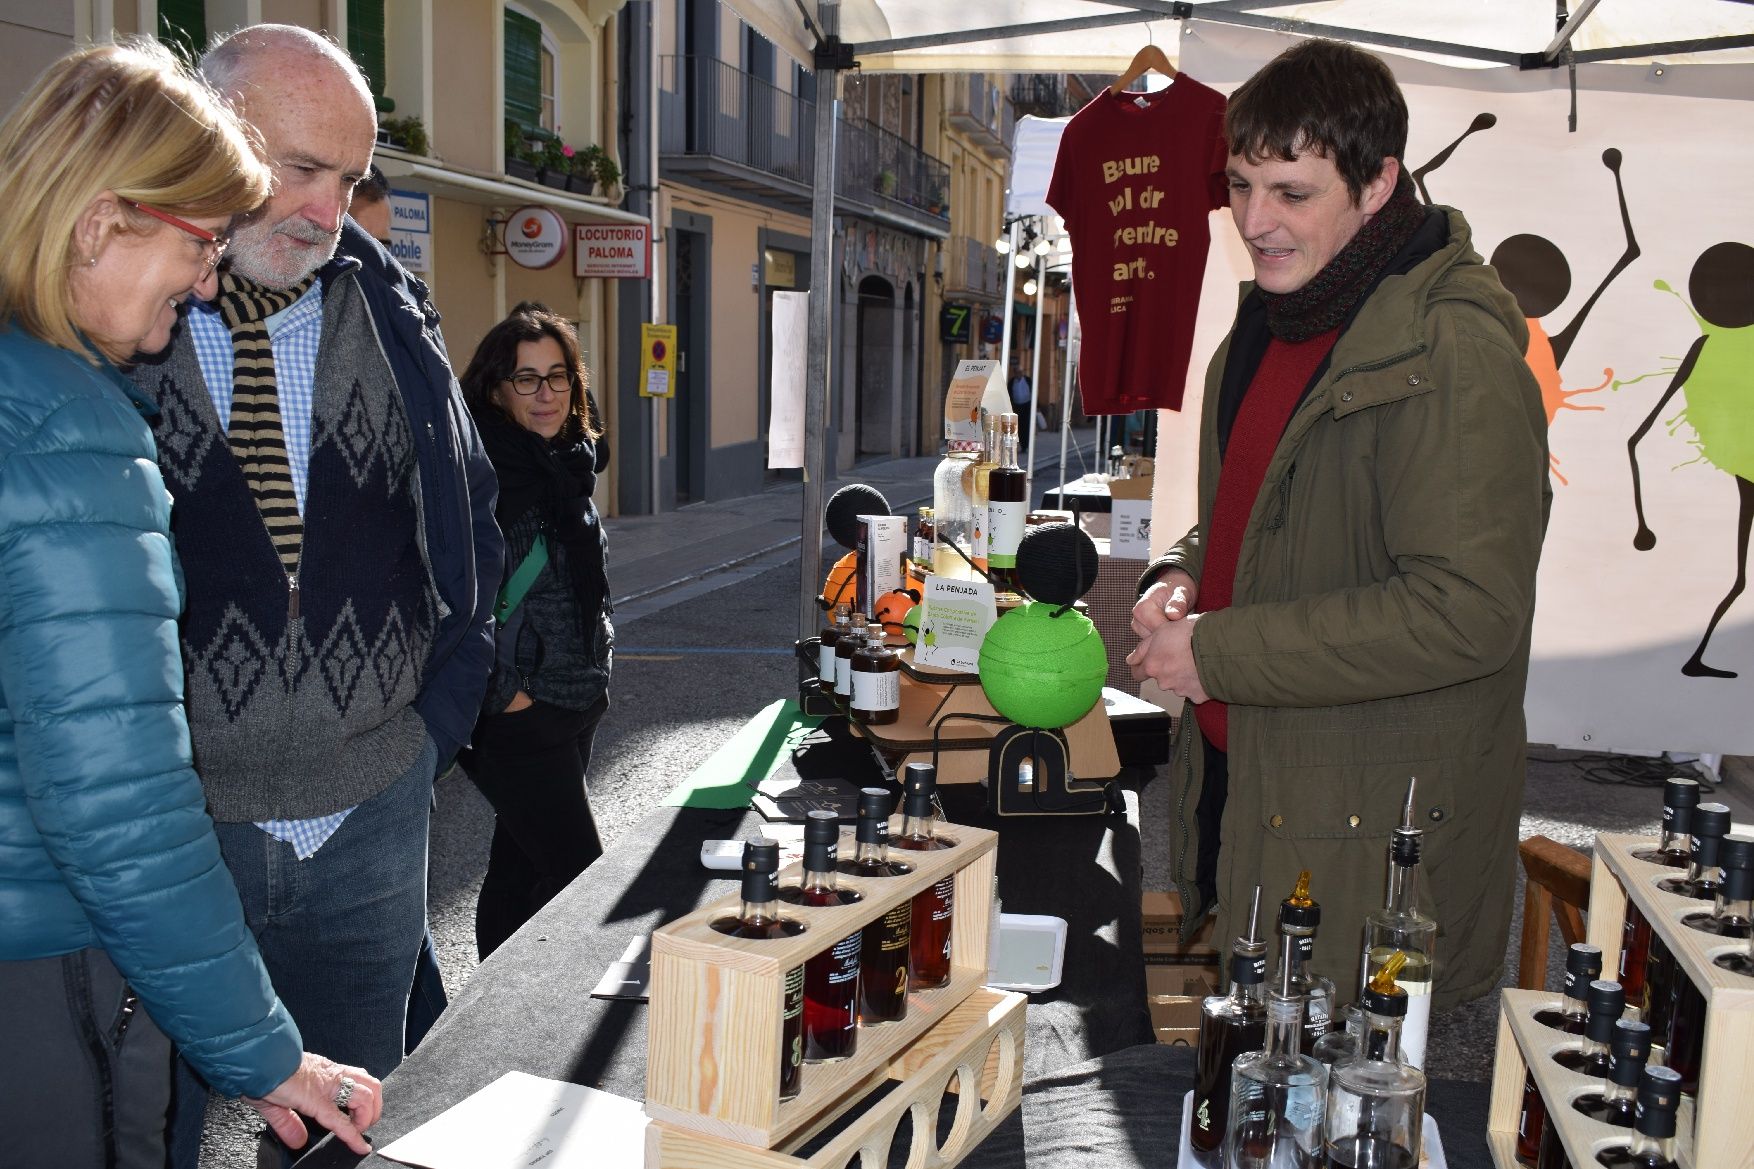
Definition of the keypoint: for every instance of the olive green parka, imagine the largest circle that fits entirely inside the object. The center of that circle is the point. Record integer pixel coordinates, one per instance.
(1380, 625)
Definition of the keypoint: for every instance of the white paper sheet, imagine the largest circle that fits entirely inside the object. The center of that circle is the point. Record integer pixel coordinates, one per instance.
(785, 420)
(521, 1120)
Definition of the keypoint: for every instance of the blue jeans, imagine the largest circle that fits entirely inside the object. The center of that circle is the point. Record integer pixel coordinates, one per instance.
(340, 932)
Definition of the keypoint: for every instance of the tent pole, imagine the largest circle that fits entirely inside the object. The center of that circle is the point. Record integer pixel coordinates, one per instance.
(1066, 383)
(1005, 335)
(819, 335)
(1041, 292)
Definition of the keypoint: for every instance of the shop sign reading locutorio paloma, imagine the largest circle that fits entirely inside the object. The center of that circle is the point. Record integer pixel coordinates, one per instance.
(535, 237)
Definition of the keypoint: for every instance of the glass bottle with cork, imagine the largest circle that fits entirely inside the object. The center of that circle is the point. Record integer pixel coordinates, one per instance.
(1376, 1104)
(759, 918)
(1653, 1127)
(884, 944)
(1230, 1025)
(876, 680)
(934, 908)
(1278, 1095)
(920, 543)
(1299, 915)
(953, 515)
(851, 641)
(1007, 509)
(831, 978)
(1401, 927)
(839, 622)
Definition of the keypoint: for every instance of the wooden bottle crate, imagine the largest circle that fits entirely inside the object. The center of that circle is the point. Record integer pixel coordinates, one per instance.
(1715, 1129)
(714, 1030)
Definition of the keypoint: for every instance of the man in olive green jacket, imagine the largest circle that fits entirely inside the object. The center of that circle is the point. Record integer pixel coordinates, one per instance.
(1373, 620)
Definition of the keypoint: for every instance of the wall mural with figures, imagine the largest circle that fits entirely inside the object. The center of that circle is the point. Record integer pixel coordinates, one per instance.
(1629, 246)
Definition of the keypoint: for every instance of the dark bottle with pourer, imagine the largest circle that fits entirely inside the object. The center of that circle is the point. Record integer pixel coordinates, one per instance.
(1607, 1002)
(1653, 1127)
(883, 945)
(1376, 1104)
(932, 910)
(831, 978)
(759, 918)
(1230, 1025)
(1299, 915)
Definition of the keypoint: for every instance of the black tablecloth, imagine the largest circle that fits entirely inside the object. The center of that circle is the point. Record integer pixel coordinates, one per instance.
(528, 1007)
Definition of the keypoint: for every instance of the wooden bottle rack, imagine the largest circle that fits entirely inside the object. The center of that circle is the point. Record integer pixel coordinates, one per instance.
(1716, 1128)
(714, 1033)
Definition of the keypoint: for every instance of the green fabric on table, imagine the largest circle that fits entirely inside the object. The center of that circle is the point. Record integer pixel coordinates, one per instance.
(728, 778)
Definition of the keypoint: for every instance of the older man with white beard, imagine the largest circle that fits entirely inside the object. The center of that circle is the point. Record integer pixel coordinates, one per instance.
(334, 517)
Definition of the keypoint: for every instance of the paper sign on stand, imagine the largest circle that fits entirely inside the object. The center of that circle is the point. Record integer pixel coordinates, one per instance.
(963, 400)
(1130, 512)
(954, 618)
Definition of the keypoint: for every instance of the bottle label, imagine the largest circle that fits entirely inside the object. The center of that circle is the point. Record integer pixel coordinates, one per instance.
(1416, 1027)
(1005, 524)
(877, 691)
(945, 897)
(794, 990)
(922, 550)
(843, 677)
(981, 542)
(897, 927)
(825, 662)
(844, 959)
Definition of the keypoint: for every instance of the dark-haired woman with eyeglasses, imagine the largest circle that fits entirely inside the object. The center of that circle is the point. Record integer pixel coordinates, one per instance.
(528, 391)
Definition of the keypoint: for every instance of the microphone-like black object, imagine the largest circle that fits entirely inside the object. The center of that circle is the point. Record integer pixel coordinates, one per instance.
(841, 516)
(1056, 563)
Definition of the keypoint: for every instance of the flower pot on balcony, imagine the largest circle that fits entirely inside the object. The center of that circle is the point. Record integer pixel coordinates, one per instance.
(580, 184)
(552, 178)
(518, 169)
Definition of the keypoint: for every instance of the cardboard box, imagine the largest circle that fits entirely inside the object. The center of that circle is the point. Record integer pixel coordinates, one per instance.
(1173, 995)
(1160, 921)
(1130, 511)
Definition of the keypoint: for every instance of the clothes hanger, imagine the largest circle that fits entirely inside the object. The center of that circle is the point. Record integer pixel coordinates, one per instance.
(1149, 57)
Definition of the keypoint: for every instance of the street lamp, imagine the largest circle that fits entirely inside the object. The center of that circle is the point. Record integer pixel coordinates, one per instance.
(1029, 287)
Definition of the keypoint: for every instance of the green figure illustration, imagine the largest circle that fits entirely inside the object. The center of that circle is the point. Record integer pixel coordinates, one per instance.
(1717, 375)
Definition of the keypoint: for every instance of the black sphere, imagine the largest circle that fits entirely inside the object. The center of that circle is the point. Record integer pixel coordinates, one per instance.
(1056, 563)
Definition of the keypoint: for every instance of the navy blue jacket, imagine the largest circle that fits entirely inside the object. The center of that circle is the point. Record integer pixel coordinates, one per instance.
(457, 486)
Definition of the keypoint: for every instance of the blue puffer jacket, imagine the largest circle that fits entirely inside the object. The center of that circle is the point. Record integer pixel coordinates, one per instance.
(104, 835)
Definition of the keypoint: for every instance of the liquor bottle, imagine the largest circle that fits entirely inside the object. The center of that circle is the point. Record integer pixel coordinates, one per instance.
(836, 628)
(1684, 1046)
(953, 516)
(1615, 1103)
(1299, 915)
(1732, 914)
(1400, 926)
(1653, 1129)
(1345, 1038)
(1606, 1004)
(929, 956)
(1675, 849)
(1277, 1095)
(1531, 1129)
(1230, 1025)
(1710, 822)
(759, 917)
(1007, 508)
(1376, 1104)
(831, 978)
(876, 679)
(1583, 965)
(851, 641)
(920, 545)
(983, 470)
(883, 945)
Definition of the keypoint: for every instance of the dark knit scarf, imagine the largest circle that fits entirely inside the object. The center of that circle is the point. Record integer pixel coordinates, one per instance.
(255, 435)
(549, 483)
(1327, 300)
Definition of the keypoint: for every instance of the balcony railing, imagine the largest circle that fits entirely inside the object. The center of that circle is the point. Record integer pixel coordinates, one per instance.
(708, 107)
(1041, 94)
(880, 168)
(976, 271)
(975, 103)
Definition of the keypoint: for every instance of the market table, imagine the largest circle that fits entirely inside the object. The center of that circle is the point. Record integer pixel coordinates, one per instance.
(528, 1007)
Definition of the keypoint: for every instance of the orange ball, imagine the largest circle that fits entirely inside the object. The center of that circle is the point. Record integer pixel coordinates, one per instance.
(838, 588)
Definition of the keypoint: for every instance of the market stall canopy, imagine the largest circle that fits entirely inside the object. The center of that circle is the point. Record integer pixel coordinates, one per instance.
(1101, 36)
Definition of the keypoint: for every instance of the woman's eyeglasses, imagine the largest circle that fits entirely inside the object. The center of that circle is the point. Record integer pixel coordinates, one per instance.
(213, 246)
(560, 381)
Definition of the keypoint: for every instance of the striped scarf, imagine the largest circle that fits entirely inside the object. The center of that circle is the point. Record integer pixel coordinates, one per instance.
(255, 435)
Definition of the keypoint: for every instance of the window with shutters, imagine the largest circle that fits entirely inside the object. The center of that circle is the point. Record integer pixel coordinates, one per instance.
(365, 42)
(530, 80)
(182, 24)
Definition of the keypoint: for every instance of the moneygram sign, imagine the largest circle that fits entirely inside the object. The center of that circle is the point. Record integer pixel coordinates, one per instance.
(535, 237)
(612, 250)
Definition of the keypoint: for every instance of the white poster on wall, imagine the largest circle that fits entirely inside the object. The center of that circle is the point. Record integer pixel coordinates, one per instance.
(785, 417)
(1640, 640)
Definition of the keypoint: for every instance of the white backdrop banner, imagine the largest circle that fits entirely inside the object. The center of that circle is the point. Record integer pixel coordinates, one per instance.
(1644, 347)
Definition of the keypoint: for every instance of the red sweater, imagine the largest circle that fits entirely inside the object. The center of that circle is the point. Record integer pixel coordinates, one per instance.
(1267, 406)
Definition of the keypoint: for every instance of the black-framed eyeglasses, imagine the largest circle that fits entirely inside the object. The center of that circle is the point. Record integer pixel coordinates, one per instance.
(560, 381)
(213, 246)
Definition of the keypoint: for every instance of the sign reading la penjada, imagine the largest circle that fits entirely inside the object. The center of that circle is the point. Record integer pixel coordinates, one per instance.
(535, 237)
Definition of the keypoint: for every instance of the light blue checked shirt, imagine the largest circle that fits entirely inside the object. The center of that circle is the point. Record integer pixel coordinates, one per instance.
(294, 334)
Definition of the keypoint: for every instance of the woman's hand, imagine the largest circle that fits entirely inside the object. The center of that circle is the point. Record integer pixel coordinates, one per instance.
(520, 701)
(314, 1090)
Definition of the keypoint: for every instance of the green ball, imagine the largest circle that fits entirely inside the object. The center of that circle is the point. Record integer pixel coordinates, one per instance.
(1043, 671)
(910, 625)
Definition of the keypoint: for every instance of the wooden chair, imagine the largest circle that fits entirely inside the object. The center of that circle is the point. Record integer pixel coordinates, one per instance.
(1556, 881)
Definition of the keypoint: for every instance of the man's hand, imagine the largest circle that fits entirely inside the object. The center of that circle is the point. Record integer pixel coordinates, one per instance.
(313, 1090)
(1167, 657)
(1170, 598)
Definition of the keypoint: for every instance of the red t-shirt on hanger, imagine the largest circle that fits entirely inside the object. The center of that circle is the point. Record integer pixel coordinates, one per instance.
(1135, 178)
